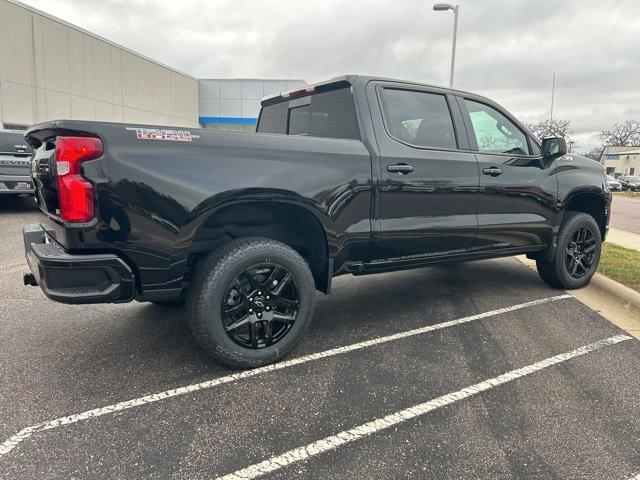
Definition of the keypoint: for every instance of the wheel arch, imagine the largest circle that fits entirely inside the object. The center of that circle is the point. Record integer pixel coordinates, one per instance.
(291, 221)
(592, 201)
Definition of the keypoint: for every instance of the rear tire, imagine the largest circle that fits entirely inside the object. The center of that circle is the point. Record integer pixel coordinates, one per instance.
(239, 313)
(577, 254)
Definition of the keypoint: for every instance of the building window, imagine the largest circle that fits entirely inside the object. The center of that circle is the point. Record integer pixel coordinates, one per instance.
(15, 126)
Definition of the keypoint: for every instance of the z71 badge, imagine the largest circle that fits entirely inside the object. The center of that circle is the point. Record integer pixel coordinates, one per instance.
(161, 134)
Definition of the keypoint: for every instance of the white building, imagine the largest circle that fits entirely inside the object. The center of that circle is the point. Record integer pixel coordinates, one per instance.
(50, 69)
(621, 160)
(235, 104)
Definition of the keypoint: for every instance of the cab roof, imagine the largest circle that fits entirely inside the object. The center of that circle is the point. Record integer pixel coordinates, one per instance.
(348, 80)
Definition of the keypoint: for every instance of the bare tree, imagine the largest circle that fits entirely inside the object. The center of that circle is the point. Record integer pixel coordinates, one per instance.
(595, 153)
(551, 128)
(626, 134)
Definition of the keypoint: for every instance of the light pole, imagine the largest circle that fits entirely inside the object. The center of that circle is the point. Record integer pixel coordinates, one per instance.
(443, 7)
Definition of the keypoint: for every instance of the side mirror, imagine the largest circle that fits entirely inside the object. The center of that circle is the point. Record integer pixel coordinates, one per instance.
(554, 147)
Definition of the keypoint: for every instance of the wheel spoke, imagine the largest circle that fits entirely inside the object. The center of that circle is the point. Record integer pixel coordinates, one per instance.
(268, 333)
(237, 324)
(254, 285)
(253, 334)
(233, 309)
(284, 318)
(278, 288)
(275, 273)
(283, 302)
(573, 265)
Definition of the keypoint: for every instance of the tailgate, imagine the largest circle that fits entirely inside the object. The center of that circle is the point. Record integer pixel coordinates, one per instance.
(63, 193)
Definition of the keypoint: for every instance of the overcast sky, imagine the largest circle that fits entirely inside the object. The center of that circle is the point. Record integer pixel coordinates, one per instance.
(507, 49)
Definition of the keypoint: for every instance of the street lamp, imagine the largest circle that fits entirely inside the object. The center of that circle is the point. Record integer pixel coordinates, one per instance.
(443, 7)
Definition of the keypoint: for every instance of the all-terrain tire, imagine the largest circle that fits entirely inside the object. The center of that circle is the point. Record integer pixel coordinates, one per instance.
(556, 273)
(213, 279)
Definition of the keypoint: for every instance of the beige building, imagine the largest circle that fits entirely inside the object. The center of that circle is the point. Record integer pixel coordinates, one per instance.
(50, 69)
(621, 160)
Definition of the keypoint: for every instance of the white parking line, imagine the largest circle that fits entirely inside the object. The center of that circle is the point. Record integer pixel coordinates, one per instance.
(13, 441)
(348, 436)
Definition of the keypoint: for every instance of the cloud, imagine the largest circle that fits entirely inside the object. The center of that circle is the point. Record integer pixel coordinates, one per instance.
(507, 50)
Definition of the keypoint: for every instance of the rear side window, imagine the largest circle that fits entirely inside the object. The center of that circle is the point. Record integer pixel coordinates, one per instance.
(494, 132)
(273, 119)
(419, 118)
(327, 114)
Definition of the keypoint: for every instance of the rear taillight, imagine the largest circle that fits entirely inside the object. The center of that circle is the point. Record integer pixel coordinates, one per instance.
(75, 194)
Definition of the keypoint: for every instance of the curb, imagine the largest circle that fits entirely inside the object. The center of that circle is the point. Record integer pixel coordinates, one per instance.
(627, 295)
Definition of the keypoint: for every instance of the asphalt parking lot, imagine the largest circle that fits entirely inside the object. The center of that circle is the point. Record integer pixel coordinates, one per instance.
(420, 390)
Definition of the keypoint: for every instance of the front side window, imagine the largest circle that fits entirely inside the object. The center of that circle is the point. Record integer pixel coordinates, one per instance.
(494, 132)
(419, 118)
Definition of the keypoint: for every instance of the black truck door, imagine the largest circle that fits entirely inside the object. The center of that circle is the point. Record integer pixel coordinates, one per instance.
(428, 188)
(518, 188)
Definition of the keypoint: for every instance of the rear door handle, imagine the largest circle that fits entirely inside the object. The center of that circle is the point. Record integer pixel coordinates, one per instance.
(400, 168)
(493, 171)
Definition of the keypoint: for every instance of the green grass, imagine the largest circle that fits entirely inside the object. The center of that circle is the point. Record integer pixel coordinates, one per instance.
(627, 194)
(621, 264)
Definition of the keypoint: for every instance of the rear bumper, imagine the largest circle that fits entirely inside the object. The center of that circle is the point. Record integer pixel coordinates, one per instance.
(16, 185)
(72, 278)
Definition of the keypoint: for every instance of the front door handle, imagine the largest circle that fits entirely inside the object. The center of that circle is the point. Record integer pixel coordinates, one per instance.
(400, 168)
(493, 171)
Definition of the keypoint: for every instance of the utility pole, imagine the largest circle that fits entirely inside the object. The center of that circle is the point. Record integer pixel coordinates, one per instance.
(553, 92)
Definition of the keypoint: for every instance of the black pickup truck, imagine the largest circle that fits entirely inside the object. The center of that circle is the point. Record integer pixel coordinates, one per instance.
(354, 175)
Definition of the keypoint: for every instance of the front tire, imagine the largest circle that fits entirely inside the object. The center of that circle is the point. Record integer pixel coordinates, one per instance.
(250, 301)
(577, 254)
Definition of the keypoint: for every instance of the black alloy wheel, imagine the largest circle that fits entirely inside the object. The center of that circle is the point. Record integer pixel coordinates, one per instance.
(260, 306)
(580, 252)
(575, 260)
(250, 301)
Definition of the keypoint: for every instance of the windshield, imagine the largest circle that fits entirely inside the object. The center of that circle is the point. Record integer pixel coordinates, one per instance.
(633, 179)
(611, 179)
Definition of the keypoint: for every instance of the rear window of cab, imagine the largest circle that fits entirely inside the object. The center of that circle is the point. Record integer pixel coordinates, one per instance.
(330, 114)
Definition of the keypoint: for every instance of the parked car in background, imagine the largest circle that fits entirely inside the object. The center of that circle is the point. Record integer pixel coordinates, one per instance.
(623, 183)
(15, 164)
(614, 185)
(356, 175)
(630, 182)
